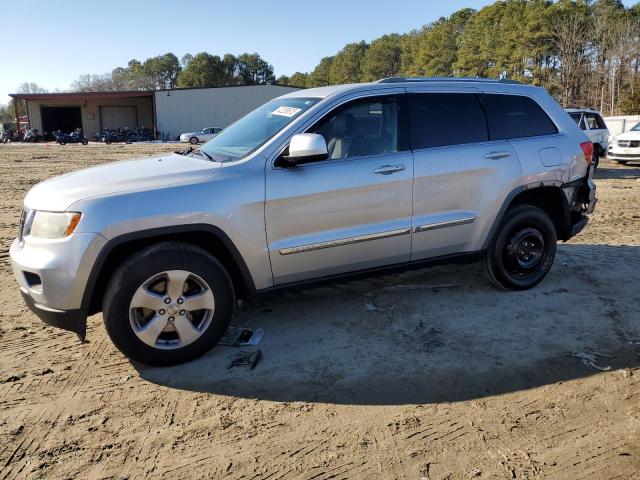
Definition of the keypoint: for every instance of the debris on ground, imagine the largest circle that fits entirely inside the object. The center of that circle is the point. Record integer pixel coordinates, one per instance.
(590, 359)
(249, 359)
(241, 337)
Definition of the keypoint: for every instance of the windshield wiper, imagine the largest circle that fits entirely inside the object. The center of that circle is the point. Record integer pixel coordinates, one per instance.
(200, 152)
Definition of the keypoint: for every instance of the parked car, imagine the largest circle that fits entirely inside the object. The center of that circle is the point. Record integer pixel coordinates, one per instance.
(626, 147)
(202, 136)
(310, 187)
(591, 122)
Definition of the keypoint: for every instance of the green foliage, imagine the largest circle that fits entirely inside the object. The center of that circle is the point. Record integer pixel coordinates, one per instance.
(348, 64)
(203, 70)
(321, 74)
(383, 58)
(253, 70)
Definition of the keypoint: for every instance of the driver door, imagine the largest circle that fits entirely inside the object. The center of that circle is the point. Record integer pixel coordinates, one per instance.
(351, 211)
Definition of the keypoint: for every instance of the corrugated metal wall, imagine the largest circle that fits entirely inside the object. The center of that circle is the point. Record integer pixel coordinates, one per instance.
(90, 110)
(618, 125)
(180, 111)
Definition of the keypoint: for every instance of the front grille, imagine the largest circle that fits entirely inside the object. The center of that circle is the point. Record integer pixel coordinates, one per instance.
(625, 155)
(629, 143)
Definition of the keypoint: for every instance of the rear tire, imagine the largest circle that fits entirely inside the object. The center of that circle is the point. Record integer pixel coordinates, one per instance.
(149, 326)
(523, 249)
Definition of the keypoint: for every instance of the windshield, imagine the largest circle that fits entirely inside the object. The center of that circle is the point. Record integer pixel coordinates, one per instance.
(254, 129)
(636, 128)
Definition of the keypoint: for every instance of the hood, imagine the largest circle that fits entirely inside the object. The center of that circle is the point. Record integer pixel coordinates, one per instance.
(59, 193)
(631, 135)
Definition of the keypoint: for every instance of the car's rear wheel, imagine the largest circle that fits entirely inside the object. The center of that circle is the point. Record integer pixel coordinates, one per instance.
(168, 304)
(522, 250)
(193, 140)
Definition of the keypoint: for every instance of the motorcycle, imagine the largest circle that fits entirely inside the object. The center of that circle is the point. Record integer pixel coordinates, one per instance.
(32, 135)
(74, 137)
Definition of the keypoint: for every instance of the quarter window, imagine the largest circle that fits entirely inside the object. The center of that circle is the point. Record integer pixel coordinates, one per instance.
(515, 116)
(440, 119)
(361, 128)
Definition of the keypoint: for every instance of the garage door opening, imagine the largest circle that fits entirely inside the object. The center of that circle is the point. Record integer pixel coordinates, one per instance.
(66, 119)
(115, 117)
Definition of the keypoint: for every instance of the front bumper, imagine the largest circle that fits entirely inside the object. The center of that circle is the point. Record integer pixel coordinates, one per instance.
(53, 274)
(623, 154)
(73, 320)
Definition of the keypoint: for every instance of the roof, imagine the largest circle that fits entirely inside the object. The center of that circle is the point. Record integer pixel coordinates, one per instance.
(578, 110)
(323, 92)
(80, 95)
(119, 94)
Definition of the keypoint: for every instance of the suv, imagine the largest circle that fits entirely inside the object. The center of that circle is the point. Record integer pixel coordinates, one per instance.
(591, 122)
(309, 187)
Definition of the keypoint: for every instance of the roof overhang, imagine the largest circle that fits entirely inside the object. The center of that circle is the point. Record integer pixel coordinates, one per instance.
(81, 95)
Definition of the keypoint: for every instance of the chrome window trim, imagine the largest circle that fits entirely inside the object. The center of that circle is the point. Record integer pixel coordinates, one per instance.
(344, 241)
(445, 224)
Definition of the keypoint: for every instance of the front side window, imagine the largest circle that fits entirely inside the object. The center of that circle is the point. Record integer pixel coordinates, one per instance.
(361, 128)
(256, 128)
(636, 128)
(441, 119)
(516, 116)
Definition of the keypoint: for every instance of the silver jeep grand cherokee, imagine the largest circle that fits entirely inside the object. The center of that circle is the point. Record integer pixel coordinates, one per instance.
(309, 187)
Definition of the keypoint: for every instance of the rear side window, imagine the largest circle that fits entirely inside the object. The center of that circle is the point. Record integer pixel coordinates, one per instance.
(579, 119)
(595, 121)
(515, 116)
(440, 119)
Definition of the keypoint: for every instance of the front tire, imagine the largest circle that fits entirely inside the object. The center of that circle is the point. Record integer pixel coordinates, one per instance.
(194, 140)
(168, 304)
(522, 250)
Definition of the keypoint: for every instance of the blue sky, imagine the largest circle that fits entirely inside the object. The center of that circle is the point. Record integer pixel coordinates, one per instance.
(73, 38)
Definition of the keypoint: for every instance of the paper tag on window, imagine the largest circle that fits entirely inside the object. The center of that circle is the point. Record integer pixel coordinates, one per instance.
(286, 111)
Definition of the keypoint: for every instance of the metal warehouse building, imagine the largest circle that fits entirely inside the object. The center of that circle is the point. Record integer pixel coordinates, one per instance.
(168, 112)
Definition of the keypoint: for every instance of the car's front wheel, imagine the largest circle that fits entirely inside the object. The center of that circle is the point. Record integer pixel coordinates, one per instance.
(522, 250)
(168, 304)
(193, 140)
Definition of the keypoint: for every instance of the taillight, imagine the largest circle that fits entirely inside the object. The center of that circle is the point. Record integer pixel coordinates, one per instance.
(587, 148)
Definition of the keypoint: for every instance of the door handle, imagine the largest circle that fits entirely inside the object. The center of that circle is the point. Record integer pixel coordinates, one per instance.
(497, 155)
(388, 169)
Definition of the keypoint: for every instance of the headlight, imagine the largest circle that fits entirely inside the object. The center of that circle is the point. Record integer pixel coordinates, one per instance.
(53, 224)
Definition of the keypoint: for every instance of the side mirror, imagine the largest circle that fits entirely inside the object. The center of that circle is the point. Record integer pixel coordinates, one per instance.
(304, 147)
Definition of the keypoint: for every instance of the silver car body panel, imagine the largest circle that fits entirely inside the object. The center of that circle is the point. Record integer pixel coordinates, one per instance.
(310, 221)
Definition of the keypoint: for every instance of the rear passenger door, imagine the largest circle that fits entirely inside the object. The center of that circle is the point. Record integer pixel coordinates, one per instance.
(521, 121)
(462, 176)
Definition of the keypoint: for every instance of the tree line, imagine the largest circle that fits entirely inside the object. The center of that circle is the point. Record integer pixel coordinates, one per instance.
(585, 53)
(166, 71)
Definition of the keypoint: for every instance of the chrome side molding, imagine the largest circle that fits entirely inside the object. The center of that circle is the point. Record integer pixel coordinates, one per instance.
(344, 241)
(448, 223)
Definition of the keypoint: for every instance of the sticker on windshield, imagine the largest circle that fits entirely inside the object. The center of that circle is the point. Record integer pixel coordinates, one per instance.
(286, 111)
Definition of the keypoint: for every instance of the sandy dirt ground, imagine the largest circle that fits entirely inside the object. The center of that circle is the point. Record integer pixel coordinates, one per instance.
(431, 374)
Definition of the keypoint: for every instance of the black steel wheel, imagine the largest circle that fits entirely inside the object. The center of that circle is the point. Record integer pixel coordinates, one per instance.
(523, 249)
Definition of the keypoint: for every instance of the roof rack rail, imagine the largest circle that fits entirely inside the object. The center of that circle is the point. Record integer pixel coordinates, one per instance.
(446, 79)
